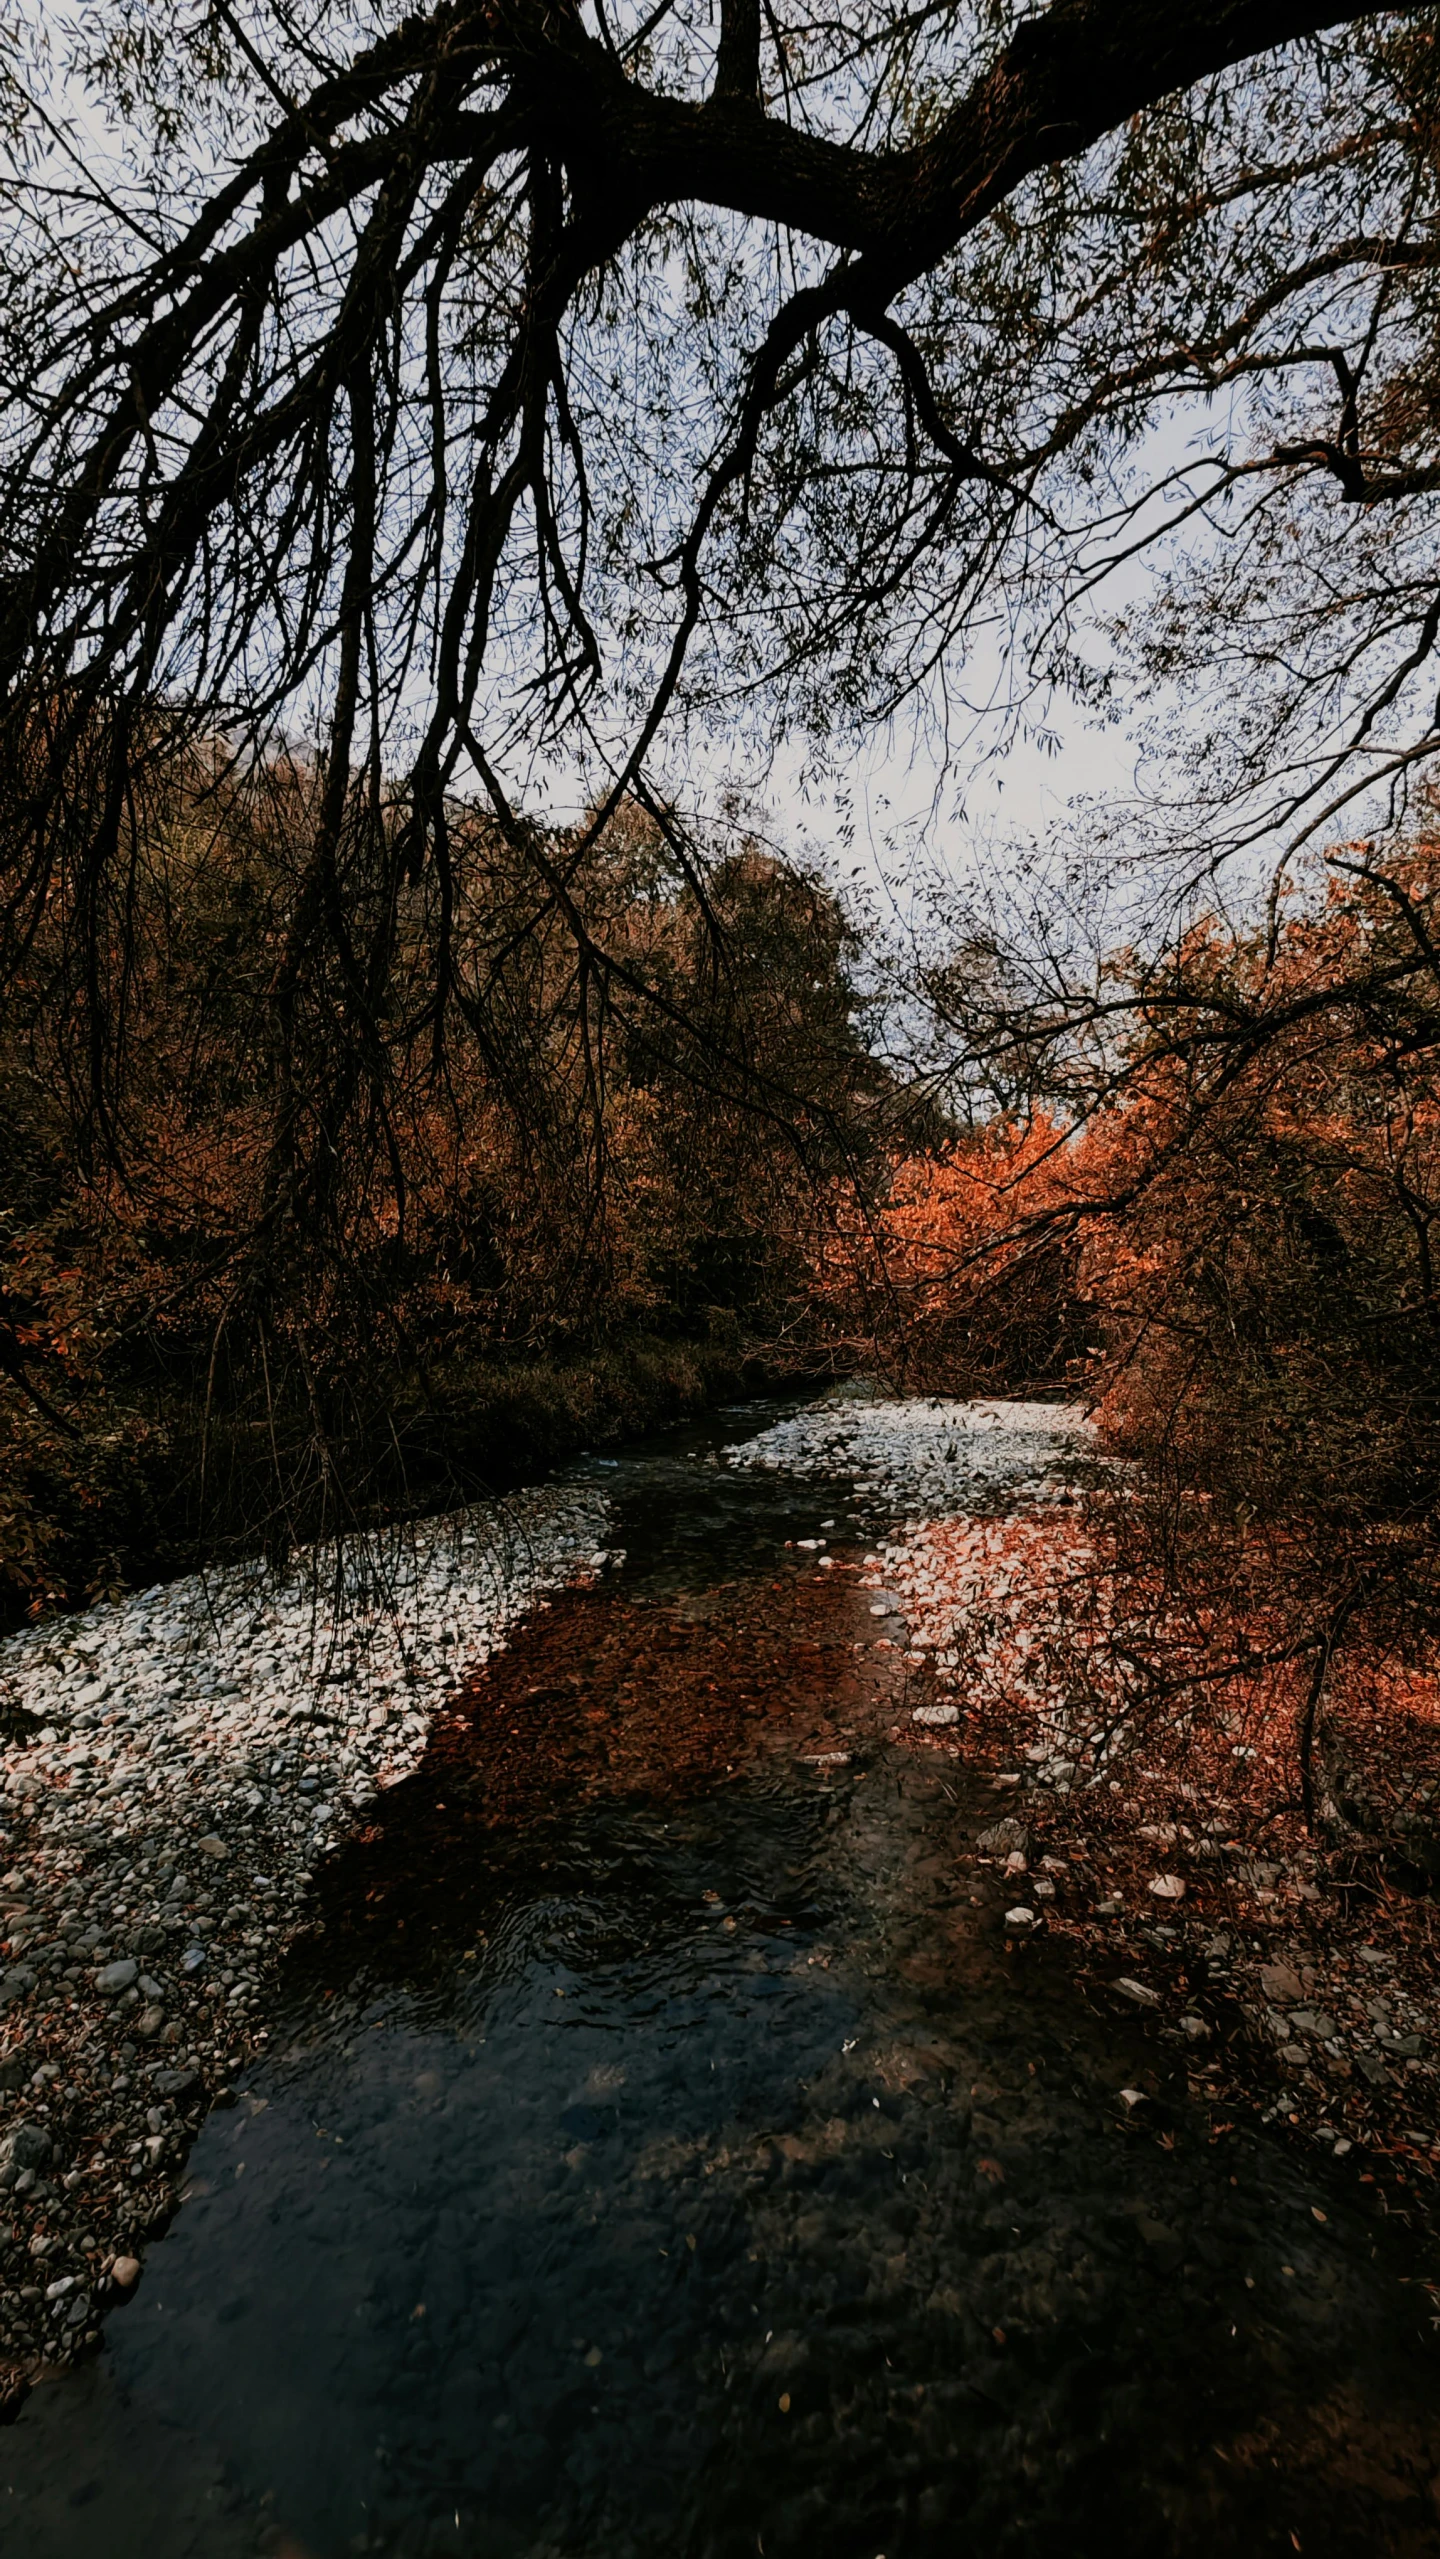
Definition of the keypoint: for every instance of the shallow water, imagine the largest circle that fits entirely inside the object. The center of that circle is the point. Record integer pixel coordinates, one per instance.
(672, 2161)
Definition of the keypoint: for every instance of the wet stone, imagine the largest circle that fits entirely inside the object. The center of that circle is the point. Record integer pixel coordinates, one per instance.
(24, 2146)
(1281, 1984)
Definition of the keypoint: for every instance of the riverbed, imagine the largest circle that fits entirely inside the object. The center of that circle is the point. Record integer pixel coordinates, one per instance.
(662, 2148)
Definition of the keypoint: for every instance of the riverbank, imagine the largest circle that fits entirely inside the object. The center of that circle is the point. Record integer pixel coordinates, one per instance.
(143, 1484)
(1298, 1975)
(174, 1766)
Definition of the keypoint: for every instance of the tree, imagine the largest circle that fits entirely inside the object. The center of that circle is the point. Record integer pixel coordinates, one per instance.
(497, 380)
(496, 393)
(539, 1249)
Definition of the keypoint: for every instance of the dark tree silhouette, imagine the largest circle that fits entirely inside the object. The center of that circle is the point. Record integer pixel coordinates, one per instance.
(497, 382)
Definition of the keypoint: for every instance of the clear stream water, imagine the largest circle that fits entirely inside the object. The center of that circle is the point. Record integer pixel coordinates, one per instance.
(695, 2175)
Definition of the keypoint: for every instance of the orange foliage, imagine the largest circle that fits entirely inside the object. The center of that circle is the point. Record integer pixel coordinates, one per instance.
(962, 1275)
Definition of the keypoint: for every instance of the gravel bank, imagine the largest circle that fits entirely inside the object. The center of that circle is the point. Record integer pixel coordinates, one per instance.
(1302, 1985)
(1301, 1990)
(930, 1455)
(170, 1769)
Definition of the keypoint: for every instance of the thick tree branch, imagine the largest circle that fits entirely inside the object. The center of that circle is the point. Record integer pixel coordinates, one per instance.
(737, 61)
(1068, 77)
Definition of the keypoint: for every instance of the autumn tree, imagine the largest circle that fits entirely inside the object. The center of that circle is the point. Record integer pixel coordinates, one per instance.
(476, 401)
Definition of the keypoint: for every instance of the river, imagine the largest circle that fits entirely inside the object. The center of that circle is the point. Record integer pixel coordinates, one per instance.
(659, 2151)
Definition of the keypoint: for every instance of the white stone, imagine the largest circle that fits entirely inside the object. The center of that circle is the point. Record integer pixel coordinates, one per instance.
(928, 1453)
(1138, 1991)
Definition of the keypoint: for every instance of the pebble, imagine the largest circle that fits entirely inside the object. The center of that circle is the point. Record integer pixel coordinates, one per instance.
(1281, 1984)
(24, 2146)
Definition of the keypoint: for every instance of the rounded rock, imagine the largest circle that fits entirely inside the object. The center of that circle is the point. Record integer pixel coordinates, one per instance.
(26, 2146)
